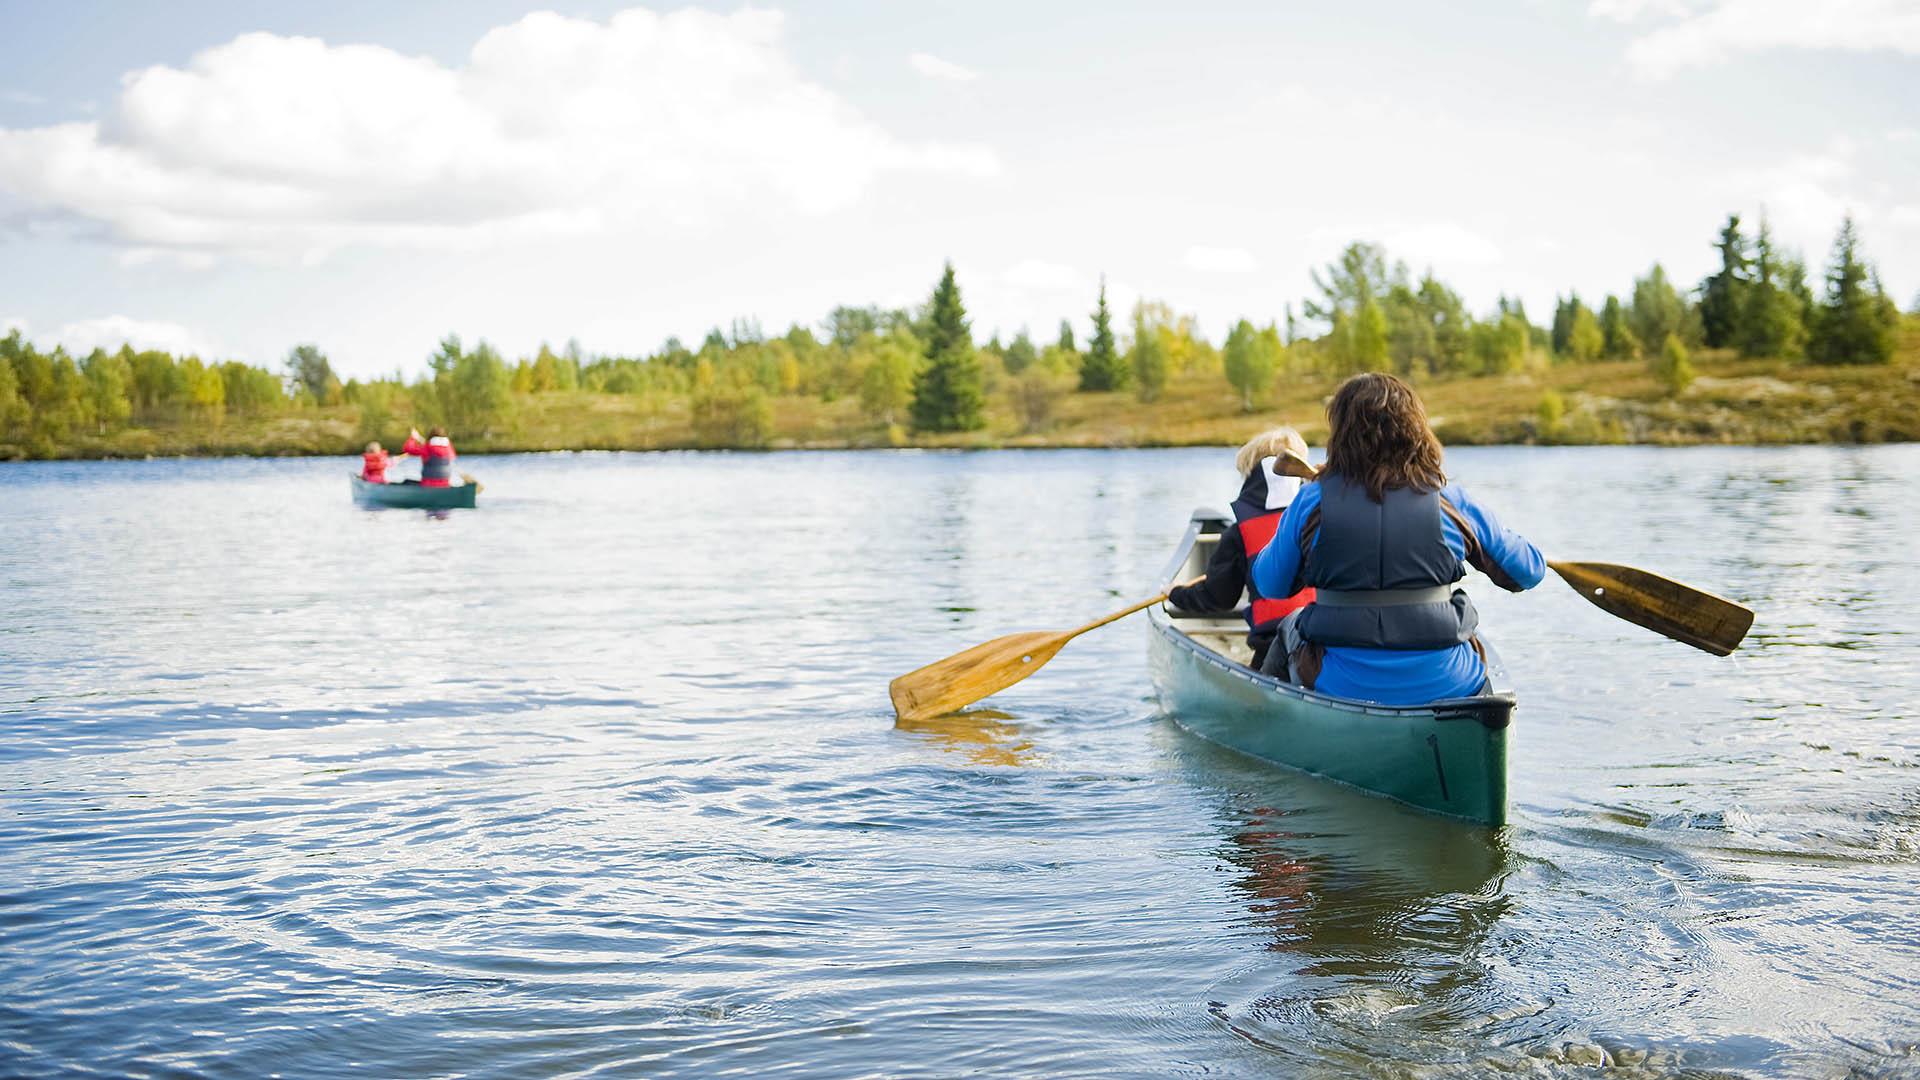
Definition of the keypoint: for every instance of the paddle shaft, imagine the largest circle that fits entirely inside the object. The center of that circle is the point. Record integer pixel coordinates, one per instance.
(1688, 615)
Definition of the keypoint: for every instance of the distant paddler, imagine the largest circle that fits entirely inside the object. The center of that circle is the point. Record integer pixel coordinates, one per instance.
(435, 454)
(373, 464)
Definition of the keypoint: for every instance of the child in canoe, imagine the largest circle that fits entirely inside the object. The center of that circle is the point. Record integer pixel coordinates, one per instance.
(1264, 496)
(435, 454)
(373, 464)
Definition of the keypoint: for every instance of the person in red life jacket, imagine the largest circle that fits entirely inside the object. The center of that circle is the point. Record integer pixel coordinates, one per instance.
(435, 454)
(1264, 496)
(373, 464)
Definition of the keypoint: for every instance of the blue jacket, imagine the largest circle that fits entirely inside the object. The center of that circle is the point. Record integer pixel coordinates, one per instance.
(1403, 676)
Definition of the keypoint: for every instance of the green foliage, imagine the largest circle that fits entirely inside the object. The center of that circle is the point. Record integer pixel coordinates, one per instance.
(1616, 335)
(1148, 356)
(1585, 341)
(886, 384)
(1349, 302)
(309, 370)
(948, 394)
(1671, 365)
(732, 417)
(471, 392)
(1723, 296)
(1499, 345)
(1021, 354)
(14, 412)
(250, 391)
(1773, 319)
(1658, 310)
(1102, 369)
(1857, 323)
(1551, 412)
(1250, 360)
(108, 376)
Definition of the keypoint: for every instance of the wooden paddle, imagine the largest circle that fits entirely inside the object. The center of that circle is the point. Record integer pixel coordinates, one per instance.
(1692, 616)
(965, 677)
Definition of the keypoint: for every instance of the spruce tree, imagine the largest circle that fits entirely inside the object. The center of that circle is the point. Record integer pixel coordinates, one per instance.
(1771, 321)
(1616, 338)
(1102, 369)
(1562, 332)
(949, 394)
(1857, 322)
(1723, 295)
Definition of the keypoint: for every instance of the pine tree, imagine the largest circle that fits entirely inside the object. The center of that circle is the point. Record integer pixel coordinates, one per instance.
(1771, 321)
(1562, 333)
(1020, 353)
(948, 395)
(1616, 338)
(1857, 323)
(1102, 368)
(1723, 295)
(1066, 342)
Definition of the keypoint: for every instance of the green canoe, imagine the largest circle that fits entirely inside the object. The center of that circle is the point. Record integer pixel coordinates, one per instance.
(1448, 757)
(413, 495)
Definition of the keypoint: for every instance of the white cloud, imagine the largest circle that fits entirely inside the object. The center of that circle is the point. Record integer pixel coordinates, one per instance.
(112, 331)
(290, 147)
(1221, 260)
(1440, 244)
(1040, 275)
(935, 68)
(11, 323)
(1703, 36)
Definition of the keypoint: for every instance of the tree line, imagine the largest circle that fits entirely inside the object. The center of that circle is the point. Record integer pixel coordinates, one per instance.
(921, 369)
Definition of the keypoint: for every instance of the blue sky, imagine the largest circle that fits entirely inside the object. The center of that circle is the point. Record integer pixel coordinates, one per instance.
(235, 178)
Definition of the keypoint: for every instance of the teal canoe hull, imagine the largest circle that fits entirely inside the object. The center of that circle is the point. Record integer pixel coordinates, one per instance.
(414, 496)
(1448, 757)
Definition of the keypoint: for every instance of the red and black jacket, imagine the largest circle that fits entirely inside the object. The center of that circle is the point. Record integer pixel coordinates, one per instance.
(1227, 575)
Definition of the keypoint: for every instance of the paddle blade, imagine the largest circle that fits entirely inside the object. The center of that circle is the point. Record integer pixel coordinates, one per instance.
(965, 677)
(1665, 606)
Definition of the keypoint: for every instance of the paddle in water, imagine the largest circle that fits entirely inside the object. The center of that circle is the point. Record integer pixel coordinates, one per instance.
(988, 668)
(1688, 615)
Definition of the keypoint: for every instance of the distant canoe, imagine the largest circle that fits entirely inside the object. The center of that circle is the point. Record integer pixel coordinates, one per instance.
(414, 496)
(1448, 757)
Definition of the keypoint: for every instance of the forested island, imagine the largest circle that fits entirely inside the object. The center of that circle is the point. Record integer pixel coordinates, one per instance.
(1755, 353)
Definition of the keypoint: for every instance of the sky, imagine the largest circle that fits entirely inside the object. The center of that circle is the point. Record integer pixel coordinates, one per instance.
(232, 179)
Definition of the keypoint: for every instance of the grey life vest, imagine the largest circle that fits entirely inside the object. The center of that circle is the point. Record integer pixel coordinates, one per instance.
(1383, 572)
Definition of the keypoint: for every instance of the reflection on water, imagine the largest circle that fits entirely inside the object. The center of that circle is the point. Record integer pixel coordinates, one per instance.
(984, 736)
(565, 786)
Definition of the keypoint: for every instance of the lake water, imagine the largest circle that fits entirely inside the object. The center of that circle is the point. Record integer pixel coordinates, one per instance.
(601, 779)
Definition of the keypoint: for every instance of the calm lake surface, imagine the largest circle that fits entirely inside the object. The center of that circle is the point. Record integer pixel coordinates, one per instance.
(601, 779)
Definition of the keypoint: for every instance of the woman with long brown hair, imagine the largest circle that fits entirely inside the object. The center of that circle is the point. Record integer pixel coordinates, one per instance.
(1383, 537)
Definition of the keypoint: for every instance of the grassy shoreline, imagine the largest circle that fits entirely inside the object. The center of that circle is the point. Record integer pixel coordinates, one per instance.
(1734, 401)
